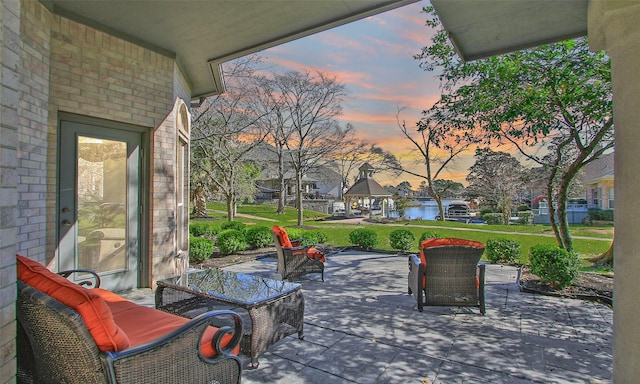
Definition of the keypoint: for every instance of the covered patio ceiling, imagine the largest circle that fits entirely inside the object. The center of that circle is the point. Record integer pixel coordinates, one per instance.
(483, 28)
(204, 34)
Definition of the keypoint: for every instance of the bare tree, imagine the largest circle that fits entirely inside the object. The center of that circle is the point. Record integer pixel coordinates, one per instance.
(351, 152)
(310, 103)
(438, 145)
(224, 132)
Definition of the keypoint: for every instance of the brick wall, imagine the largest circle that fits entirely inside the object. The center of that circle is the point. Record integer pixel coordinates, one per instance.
(32, 132)
(9, 66)
(102, 76)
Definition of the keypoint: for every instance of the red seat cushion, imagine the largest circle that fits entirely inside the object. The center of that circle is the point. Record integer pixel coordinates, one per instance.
(282, 235)
(94, 310)
(144, 324)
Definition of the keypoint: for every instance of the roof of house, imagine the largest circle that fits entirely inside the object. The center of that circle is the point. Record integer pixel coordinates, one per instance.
(599, 169)
(367, 187)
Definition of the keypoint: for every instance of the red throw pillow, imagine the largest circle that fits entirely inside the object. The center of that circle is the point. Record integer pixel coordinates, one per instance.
(313, 253)
(283, 237)
(93, 310)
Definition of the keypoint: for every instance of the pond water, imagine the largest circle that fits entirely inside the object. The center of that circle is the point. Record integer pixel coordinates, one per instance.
(425, 210)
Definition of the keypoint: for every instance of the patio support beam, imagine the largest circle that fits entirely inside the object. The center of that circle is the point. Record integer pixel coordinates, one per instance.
(614, 28)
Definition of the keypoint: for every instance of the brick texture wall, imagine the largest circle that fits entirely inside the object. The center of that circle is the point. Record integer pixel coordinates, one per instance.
(9, 66)
(102, 76)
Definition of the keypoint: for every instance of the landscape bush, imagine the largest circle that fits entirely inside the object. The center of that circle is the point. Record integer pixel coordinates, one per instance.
(502, 251)
(363, 238)
(493, 218)
(231, 241)
(200, 249)
(313, 237)
(525, 217)
(428, 235)
(258, 236)
(597, 214)
(204, 228)
(401, 239)
(237, 225)
(555, 266)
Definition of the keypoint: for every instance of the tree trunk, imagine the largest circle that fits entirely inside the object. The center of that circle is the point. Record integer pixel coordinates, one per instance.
(230, 208)
(605, 258)
(563, 227)
(299, 196)
(199, 203)
(438, 200)
(282, 199)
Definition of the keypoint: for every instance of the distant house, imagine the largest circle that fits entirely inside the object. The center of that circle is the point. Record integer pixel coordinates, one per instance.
(318, 183)
(599, 182)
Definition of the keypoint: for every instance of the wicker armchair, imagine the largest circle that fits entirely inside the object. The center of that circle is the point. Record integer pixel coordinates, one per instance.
(55, 346)
(295, 259)
(448, 273)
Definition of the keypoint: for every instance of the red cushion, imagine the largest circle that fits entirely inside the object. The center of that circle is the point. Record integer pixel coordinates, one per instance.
(94, 311)
(313, 253)
(283, 237)
(444, 242)
(144, 324)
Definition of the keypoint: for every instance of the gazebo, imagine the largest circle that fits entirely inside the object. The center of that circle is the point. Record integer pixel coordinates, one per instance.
(366, 188)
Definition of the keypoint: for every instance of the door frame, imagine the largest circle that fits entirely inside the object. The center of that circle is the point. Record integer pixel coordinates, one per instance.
(144, 191)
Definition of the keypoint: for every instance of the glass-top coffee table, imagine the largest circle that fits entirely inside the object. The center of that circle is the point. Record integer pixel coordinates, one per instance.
(275, 308)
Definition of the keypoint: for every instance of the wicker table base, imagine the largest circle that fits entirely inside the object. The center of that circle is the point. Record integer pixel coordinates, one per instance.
(269, 315)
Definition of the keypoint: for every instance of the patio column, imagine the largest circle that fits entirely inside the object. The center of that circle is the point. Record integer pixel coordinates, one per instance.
(614, 28)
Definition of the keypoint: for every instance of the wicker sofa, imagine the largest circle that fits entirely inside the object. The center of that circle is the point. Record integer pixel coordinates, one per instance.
(71, 334)
(295, 259)
(448, 273)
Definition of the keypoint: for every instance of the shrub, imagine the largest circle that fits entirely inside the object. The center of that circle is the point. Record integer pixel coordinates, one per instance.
(230, 241)
(553, 265)
(401, 239)
(597, 214)
(493, 218)
(296, 234)
(502, 251)
(258, 236)
(313, 237)
(200, 249)
(363, 238)
(237, 225)
(428, 235)
(525, 217)
(203, 228)
(484, 211)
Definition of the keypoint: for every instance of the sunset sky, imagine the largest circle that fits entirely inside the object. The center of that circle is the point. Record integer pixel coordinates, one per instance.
(373, 57)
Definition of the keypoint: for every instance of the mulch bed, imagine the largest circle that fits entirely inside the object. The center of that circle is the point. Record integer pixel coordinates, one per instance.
(588, 286)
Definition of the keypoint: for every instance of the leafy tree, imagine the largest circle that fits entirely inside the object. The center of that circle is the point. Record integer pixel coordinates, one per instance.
(224, 132)
(556, 97)
(498, 178)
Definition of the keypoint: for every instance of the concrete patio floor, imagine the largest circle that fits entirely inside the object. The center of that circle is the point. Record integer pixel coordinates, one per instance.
(361, 326)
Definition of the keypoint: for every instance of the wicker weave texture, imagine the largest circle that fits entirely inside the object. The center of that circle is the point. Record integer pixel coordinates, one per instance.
(55, 347)
(293, 262)
(264, 323)
(452, 277)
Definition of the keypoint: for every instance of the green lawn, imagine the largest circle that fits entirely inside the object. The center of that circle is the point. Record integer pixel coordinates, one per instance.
(588, 241)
